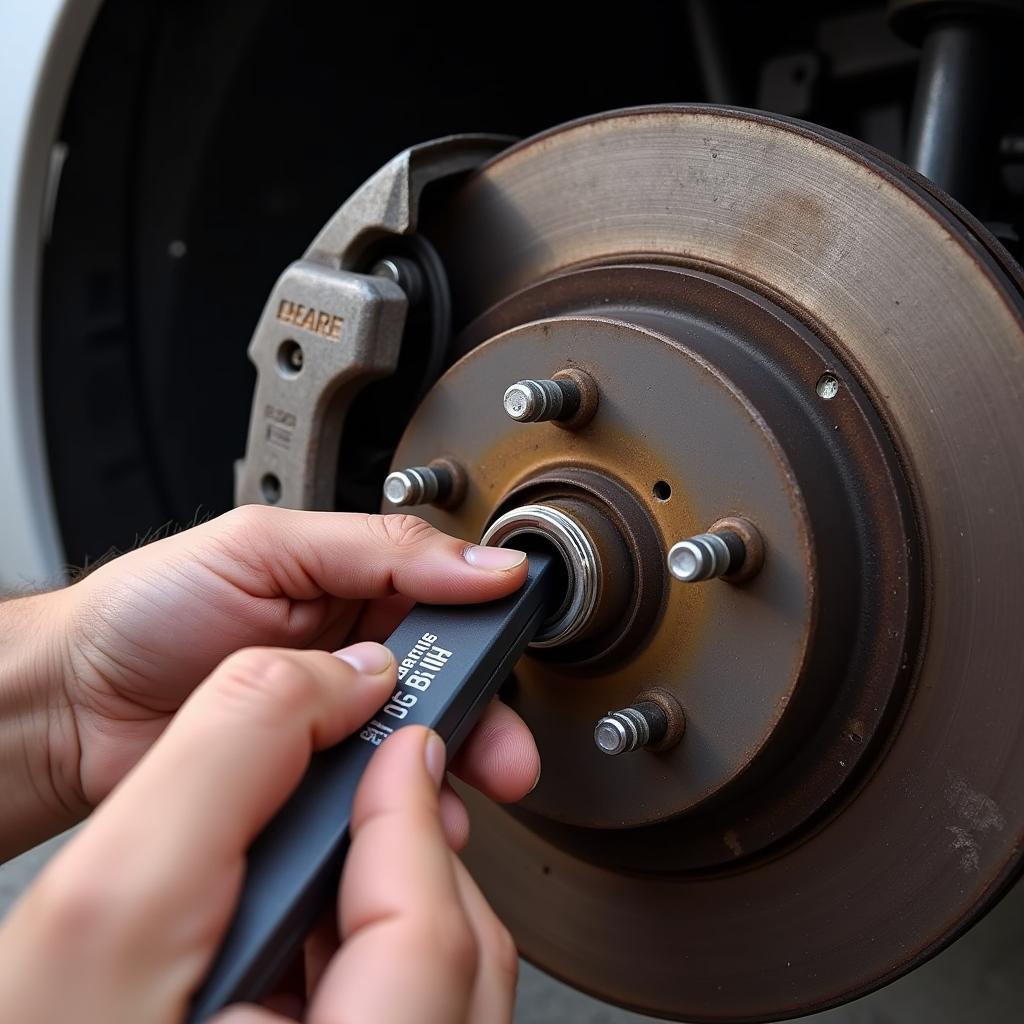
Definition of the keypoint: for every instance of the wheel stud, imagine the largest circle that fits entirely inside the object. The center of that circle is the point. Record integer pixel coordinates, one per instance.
(440, 483)
(704, 556)
(654, 721)
(534, 401)
(732, 548)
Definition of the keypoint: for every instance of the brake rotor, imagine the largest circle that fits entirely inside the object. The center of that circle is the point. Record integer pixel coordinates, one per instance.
(787, 327)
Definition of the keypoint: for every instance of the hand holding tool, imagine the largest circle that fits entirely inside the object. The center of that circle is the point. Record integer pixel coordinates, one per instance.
(451, 661)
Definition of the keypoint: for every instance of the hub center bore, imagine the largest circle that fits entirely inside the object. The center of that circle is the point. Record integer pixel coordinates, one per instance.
(552, 527)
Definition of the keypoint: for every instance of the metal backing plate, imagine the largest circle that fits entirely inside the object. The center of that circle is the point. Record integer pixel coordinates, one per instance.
(932, 328)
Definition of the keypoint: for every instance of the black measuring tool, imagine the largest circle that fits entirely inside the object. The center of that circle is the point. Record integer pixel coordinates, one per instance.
(452, 660)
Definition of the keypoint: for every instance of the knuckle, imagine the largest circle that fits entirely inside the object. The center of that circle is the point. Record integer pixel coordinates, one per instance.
(456, 944)
(267, 681)
(76, 907)
(401, 530)
(500, 950)
(246, 520)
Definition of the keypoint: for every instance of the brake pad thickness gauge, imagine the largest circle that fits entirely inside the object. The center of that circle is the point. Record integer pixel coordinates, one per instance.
(452, 660)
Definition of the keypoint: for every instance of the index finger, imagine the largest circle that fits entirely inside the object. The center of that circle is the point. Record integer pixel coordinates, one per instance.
(409, 953)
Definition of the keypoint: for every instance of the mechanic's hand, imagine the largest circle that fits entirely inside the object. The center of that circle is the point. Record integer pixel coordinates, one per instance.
(124, 922)
(140, 632)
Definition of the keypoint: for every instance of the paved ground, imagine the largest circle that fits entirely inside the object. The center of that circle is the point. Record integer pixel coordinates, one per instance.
(980, 980)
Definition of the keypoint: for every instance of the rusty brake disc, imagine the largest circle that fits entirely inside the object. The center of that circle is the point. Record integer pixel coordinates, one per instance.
(786, 326)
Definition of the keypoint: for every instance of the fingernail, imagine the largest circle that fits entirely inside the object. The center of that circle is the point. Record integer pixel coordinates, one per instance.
(368, 658)
(500, 559)
(536, 781)
(434, 754)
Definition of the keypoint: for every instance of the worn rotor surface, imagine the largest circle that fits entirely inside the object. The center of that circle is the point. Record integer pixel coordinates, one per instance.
(786, 326)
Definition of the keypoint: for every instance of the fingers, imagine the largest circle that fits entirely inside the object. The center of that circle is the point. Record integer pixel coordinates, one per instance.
(251, 727)
(250, 1015)
(454, 818)
(410, 953)
(271, 552)
(494, 992)
(321, 947)
(130, 913)
(500, 756)
(379, 619)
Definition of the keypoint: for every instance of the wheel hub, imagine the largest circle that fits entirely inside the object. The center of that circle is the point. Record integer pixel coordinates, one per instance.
(676, 445)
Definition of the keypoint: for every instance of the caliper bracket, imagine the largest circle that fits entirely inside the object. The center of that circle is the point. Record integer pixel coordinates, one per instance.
(327, 331)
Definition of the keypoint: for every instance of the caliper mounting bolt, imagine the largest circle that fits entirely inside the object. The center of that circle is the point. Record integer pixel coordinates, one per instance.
(568, 399)
(732, 549)
(654, 721)
(405, 273)
(441, 483)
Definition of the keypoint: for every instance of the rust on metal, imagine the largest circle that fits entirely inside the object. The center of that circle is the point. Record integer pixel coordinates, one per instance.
(456, 492)
(753, 546)
(668, 702)
(589, 397)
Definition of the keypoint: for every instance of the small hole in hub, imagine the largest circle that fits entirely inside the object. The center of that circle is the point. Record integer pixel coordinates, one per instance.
(270, 488)
(662, 490)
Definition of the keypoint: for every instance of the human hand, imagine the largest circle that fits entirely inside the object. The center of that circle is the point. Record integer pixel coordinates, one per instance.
(136, 636)
(123, 924)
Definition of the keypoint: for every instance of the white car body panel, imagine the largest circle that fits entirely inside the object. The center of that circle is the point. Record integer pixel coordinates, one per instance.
(42, 41)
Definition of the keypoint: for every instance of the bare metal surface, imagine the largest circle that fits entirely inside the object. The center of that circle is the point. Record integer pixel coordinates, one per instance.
(535, 401)
(405, 273)
(641, 725)
(705, 556)
(569, 399)
(441, 483)
(349, 330)
(417, 485)
(388, 202)
(616, 733)
(928, 324)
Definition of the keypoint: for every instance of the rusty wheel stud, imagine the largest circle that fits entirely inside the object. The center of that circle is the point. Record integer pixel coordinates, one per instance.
(535, 401)
(440, 483)
(642, 724)
(720, 552)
